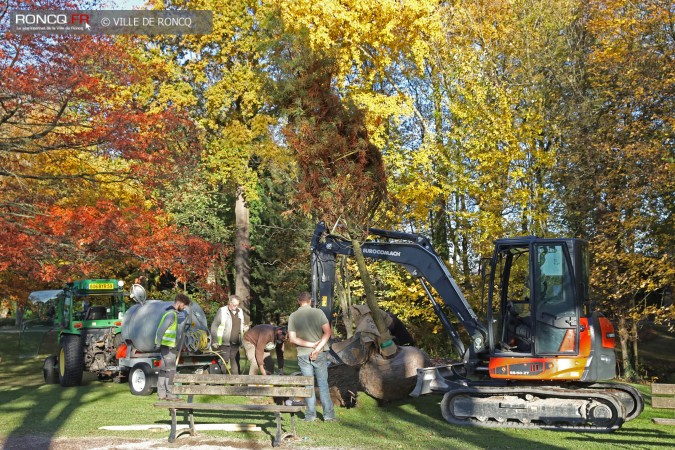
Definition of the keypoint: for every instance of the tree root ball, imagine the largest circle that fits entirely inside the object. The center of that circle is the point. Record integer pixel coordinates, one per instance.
(344, 385)
(394, 378)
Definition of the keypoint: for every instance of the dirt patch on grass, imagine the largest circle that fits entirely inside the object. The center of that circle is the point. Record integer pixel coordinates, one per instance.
(44, 442)
(38, 442)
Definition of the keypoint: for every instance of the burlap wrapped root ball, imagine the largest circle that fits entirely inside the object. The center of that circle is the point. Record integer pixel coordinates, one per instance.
(393, 379)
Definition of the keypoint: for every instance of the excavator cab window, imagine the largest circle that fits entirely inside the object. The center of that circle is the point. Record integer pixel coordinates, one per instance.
(555, 305)
(537, 307)
(515, 305)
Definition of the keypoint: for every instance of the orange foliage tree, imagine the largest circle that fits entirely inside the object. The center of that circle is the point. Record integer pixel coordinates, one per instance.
(85, 142)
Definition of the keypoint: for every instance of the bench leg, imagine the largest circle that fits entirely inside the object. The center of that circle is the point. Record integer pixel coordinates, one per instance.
(172, 433)
(277, 438)
(191, 417)
(281, 436)
(191, 421)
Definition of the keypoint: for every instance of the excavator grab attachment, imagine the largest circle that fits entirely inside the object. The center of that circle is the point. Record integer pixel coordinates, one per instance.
(352, 351)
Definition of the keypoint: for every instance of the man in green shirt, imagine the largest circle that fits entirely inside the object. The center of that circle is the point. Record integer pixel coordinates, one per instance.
(309, 330)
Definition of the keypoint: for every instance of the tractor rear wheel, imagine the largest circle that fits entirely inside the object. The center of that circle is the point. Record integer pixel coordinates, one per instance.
(50, 371)
(71, 360)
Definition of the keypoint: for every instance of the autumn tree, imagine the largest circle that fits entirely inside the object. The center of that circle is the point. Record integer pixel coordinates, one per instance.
(355, 45)
(343, 179)
(615, 171)
(84, 122)
(227, 74)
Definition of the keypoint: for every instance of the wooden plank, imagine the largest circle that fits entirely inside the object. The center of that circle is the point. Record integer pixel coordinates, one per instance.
(230, 407)
(663, 421)
(245, 391)
(275, 380)
(663, 402)
(663, 389)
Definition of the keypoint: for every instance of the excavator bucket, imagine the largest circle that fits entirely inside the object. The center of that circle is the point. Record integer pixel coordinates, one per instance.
(353, 351)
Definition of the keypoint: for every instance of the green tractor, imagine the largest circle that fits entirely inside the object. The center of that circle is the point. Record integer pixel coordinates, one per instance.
(88, 318)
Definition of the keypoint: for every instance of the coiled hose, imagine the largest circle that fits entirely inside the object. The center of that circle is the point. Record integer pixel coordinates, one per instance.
(200, 340)
(197, 340)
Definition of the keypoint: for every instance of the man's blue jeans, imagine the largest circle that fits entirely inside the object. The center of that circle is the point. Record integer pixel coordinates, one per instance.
(318, 369)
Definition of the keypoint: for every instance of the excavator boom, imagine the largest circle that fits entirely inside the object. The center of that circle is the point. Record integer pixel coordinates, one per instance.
(414, 252)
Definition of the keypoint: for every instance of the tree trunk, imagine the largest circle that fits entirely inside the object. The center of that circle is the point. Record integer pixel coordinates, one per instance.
(18, 316)
(345, 298)
(439, 231)
(385, 337)
(634, 341)
(634, 336)
(628, 372)
(242, 286)
(464, 240)
(439, 214)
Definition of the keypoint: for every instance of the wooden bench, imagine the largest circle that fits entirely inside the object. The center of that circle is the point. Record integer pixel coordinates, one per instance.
(666, 402)
(285, 387)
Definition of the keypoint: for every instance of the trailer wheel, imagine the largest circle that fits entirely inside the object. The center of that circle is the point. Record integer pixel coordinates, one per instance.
(71, 360)
(50, 371)
(142, 379)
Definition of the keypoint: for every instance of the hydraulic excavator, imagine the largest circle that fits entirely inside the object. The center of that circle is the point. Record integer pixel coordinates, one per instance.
(542, 357)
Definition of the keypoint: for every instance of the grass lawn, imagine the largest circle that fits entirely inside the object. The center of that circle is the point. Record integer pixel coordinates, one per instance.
(28, 406)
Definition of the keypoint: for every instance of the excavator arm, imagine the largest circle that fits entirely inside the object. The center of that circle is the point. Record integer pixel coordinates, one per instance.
(413, 251)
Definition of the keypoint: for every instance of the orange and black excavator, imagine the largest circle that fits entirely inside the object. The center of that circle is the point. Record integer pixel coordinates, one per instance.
(544, 355)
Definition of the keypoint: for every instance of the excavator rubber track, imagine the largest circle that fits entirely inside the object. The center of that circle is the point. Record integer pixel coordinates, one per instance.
(631, 398)
(546, 407)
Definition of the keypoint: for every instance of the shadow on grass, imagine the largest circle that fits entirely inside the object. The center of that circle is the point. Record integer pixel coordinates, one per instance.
(43, 410)
(413, 423)
(418, 423)
(643, 439)
(32, 410)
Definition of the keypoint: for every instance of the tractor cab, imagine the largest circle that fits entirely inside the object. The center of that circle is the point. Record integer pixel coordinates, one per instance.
(91, 304)
(89, 319)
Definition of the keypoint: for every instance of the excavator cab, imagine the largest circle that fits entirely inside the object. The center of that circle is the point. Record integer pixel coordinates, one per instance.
(543, 326)
(535, 293)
